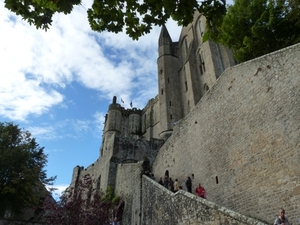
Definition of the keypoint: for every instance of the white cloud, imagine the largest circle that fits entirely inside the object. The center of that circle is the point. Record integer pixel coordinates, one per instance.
(20, 97)
(69, 128)
(36, 65)
(47, 132)
(99, 121)
(57, 190)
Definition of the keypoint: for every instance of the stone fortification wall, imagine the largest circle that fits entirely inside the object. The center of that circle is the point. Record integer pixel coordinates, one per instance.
(150, 119)
(242, 140)
(117, 150)
(161, 206)
(200, 63)
(129, 149)
(128, 186)
(124, 121)
(103, 169)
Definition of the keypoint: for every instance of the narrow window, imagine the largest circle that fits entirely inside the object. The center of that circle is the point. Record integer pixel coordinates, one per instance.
(170, 116)
(168, 80)
(217, 180)
(162, 91)
(201, 28)
(170, 104)
(186, 44)
(201, 63)
(186, 86)
(206, 88)
(201, 70)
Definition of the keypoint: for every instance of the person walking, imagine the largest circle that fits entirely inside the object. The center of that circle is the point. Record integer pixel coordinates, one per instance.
(166, 182)
(200, 191)
(171, 184)
(281, 219)
(161, 181)
(188, 184)
(176, 186)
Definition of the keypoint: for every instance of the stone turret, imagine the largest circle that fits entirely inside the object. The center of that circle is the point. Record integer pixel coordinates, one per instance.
(134, 120)
(164, 42)
(168, 84)
(114, 117)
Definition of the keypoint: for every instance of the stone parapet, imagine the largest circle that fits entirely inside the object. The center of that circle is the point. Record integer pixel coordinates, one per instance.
(161, 206)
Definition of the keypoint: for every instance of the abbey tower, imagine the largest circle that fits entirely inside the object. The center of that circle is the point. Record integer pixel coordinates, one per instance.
(186, 70)
(235, 129)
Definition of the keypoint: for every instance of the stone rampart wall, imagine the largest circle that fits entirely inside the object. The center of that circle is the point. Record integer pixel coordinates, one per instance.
(161, 206)
(242, 141)
(128, 185)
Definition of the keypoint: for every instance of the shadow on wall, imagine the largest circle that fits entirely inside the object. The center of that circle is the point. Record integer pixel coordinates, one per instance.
(161, 206)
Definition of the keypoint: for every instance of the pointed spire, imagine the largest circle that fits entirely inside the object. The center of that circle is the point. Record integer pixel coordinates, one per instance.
(164, 37)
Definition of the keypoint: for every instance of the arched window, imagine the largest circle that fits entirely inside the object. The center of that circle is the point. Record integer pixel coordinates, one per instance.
(206, 87)
(201, 29)
(167, 173)
(184, 49)
(186, 44)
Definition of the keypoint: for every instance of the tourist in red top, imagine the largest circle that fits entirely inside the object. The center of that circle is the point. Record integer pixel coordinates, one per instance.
(200, 191)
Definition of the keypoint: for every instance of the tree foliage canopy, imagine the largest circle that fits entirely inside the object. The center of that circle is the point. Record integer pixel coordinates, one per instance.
(22, 173)
(136, 16)
(252, 28)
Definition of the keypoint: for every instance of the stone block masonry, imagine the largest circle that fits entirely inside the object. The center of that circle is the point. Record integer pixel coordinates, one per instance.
(161, 206)
(129, 187)
(242, 140)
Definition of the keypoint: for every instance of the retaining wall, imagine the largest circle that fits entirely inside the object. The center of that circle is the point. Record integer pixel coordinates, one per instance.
(242, 140)
(161, 206)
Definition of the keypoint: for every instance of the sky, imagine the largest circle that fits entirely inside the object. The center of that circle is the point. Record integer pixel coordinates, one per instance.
(58, 84)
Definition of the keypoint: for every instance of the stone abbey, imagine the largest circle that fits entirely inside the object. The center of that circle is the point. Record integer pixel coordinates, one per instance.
(234, 128)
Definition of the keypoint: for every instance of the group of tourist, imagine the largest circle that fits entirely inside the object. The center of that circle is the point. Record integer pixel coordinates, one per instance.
(174, 186)
(200, 191)
(170, 184)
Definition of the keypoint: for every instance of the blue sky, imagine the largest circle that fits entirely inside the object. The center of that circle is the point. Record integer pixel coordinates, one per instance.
(58, 84)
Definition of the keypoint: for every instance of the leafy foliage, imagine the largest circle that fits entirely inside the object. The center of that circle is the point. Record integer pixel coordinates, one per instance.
(110, 195)
(252, 28)
(136, 16)
(40, 12)
(22, 177)
(81, 205)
